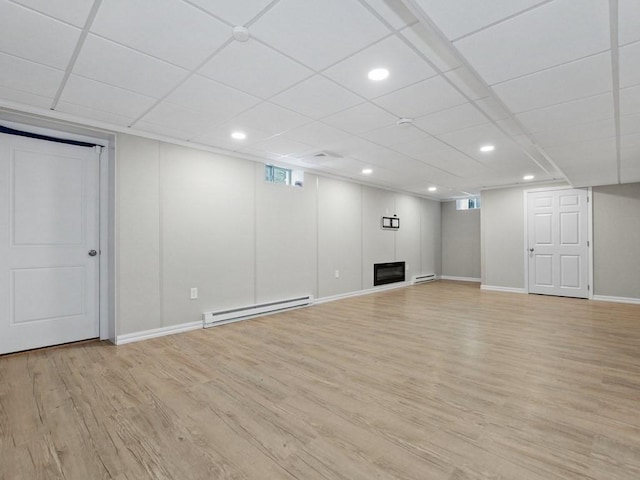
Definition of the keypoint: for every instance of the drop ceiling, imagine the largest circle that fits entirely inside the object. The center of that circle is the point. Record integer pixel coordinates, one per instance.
(554, 85)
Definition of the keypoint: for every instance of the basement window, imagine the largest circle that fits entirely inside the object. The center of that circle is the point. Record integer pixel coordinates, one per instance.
(468, 203)
(283, 176)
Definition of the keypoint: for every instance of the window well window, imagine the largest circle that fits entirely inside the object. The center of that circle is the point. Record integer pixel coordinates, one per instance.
(468, 203)
(283, 176)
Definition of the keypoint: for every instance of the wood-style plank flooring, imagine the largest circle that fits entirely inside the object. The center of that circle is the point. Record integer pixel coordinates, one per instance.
(435, 381)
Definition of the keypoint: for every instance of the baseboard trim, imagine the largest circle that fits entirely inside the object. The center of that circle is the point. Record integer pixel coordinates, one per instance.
(460, 279)
(608, 298)
(494, 288)
(157, 332)
(340, 296)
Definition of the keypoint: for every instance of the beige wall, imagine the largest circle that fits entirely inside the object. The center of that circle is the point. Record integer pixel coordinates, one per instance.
(616, 239)
(460, 241)
(188, 218)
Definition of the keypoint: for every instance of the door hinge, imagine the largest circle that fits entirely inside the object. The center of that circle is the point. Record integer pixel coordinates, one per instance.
(588, 243)
(588, 288)
(588, 199)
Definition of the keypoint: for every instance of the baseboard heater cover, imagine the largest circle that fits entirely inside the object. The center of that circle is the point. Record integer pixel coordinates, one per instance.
(430, 277)
(220, 317)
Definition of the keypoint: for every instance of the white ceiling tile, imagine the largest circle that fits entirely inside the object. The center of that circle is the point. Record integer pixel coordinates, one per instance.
(29, 77)
(587, 163)
(422, 98)
(102, 116)
(23, 98)
(48, 41)
(453, 162)
(233, 11)
(474, 137)
(220, 136)
(316, 97)
(254, 68)
(169, 131)
(71, 11)
(170, 30)
(582, 78)
(516, 47)
(394, 134)
(182, 119)
(432, 46)
(319, 33)
(204, 95)
(567, 114)
(420, 149)
(468, 83)
(281, 145)
(99, 96)
(630, 100)
(394, 12)
(577, 133)
(270, 118)
(361, 119)
(629, 65)
(404, 65)
(629, 21)
(465, 16)
(107, 62)
(451, 119)
(629, 124)
(317, 134)
(493, 108)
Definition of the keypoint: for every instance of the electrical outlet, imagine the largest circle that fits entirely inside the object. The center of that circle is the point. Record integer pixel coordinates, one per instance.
(194, 293)
(337, 273)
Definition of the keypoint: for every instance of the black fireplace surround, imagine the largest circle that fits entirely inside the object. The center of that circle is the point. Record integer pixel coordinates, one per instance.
(384, 273)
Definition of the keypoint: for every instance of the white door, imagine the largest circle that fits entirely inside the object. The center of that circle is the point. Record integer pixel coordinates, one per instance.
(48, 227)
(557, 242)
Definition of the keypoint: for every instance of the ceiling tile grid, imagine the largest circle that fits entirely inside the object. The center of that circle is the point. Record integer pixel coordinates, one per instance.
(533, 78)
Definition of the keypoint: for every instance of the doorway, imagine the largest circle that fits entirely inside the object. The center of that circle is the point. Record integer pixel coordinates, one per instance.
(49, 245)
(557, 239)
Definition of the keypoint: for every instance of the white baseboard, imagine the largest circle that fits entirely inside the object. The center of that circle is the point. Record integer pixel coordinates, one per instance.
(157, 332)
(460, 279)
(494, 288)
(607, 298)
(368, 291)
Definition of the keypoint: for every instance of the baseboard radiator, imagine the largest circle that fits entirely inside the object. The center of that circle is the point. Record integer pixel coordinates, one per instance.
(220, 317)
(430, 277)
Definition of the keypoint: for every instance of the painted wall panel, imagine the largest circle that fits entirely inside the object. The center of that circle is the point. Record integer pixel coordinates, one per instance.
(137, 235)
(286, 239)
(431, 237)
(409, 238)
(460, 241)
(339, 237)
(378, 246)
(207, 225)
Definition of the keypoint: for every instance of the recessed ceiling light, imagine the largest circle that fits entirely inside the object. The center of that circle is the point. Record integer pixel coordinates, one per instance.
(239, 135)
(432, 189)
(367, 171)
(528, 177)
(378, 74)
(487, 148)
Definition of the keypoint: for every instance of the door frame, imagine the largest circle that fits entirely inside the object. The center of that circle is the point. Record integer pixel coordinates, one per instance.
(106, 199)
(525, 247)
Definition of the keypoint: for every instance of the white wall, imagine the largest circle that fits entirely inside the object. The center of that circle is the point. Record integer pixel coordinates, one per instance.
(460, 241)
(188, 218)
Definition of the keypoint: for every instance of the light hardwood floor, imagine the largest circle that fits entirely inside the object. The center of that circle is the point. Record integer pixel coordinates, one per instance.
(435, 381)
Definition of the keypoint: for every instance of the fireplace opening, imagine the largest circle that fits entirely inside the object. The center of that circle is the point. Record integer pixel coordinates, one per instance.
(384, 273)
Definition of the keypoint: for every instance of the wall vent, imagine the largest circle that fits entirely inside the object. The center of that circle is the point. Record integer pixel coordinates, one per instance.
(220, 317)
(430, 277)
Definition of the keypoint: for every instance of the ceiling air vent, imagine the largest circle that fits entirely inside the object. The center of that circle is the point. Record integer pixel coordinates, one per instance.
(322, 156)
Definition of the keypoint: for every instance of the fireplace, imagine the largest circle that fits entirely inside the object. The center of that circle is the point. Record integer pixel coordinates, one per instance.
(384, 273)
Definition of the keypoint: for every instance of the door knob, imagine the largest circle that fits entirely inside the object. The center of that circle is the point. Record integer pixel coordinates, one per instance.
(531, 249)
(92, 253)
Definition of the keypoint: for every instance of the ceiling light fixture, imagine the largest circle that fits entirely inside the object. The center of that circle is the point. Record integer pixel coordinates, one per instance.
(378, 74)
(238, 135)
(528, 177)
(432, 189)
(241, 34)
(367, 171)
(487, 148)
